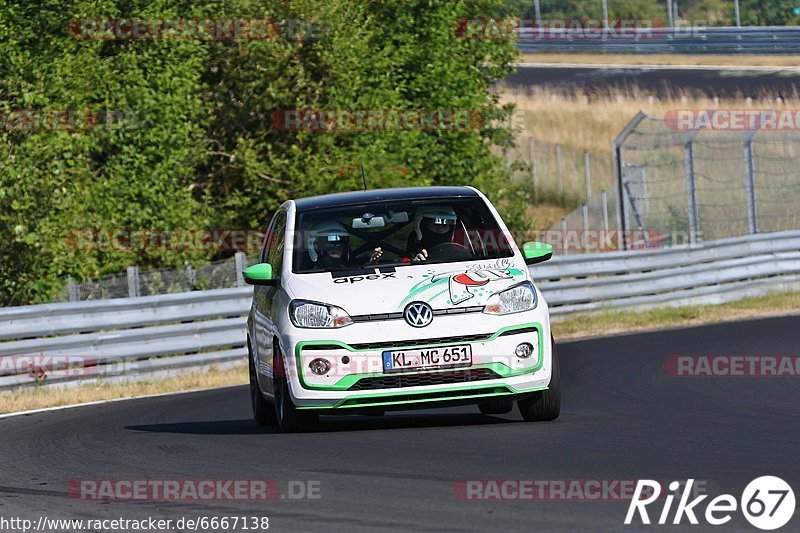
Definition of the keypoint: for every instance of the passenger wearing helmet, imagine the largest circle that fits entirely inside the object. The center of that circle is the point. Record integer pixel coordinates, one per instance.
(434, 226)
(329, 247)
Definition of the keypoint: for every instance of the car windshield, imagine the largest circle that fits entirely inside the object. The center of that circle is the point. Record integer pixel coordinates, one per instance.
(425, 231)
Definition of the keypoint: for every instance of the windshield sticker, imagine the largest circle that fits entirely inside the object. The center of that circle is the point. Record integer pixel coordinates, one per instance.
(355, 279)
(363, 273)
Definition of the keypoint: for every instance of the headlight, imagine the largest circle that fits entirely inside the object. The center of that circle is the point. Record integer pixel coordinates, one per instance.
(518, 298)
(316, 315)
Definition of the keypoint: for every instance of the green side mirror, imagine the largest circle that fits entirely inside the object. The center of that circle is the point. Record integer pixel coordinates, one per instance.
(259, 274)
(536, 252)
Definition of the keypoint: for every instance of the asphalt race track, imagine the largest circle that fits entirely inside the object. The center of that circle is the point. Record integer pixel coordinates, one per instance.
(662, 82)
(623, 418)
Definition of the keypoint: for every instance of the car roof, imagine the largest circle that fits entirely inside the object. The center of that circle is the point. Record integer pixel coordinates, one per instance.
(380, 195)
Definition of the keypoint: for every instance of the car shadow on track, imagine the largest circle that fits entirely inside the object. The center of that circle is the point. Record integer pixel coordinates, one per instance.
(207, 427)
(327, 424)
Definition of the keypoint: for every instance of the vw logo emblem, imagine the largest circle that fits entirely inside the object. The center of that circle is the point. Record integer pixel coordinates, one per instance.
(418, 314)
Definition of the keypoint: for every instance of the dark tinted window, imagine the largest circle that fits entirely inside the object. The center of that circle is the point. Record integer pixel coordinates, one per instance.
(401, 230)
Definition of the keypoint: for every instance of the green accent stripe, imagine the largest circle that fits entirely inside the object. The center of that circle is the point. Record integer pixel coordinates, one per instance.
(441, 395)
(348, 381)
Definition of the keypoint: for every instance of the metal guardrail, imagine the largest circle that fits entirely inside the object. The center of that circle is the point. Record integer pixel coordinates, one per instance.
(145, 336)
(679, 40)
(714, 272)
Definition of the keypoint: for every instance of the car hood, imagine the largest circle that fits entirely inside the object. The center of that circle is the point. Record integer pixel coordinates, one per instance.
(389, 290)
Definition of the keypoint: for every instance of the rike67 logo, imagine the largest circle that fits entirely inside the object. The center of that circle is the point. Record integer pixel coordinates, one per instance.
(767, 503)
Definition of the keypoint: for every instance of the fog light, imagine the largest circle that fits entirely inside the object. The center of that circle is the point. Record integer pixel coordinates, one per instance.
(319, 367)
(524, 350)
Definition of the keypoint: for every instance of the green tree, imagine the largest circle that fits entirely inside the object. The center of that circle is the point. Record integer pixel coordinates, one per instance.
(132, 173)
(197, 147)
(366, 56)
(767, 12)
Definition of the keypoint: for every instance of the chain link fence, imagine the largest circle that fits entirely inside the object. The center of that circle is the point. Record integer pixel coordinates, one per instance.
(215, 275)
(554, 171)
(705, 184)
(679, 185)
(572, 178)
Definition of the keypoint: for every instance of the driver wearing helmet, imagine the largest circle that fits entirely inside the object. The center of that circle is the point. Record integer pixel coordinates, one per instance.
(329, 247)
(434, 226)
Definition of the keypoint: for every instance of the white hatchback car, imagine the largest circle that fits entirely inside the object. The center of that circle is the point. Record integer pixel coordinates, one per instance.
(397, 299)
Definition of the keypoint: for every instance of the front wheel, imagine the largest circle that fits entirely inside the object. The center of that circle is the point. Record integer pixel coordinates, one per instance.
(289, 418)
(544, 405)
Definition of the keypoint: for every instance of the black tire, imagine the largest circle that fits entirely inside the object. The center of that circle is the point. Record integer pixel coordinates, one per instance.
(263, 412)
(544, 405)
(289, 418)
(496, 408)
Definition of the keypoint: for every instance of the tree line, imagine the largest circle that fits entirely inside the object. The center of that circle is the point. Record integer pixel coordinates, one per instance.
(133, 114)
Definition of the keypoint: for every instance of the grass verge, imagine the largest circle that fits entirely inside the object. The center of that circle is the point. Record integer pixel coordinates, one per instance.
(41, 397)
(612, 322)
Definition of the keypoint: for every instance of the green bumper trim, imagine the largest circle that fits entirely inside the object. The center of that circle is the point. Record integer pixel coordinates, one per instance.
(348, 381)
(440, 395)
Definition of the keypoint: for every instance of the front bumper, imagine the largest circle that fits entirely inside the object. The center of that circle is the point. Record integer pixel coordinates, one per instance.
(357, 380)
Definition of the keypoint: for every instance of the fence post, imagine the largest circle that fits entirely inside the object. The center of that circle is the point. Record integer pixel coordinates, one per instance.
(585, 213)
(616, 154)
(532, 150)
(604, 201)
(72, 289)
(559, 179)
(752, 220)
(189, 273)
(588, 175)
(240, 265)
(645, 190)
(564, 236)
(669, 14)
(133, 281)
(691, 188)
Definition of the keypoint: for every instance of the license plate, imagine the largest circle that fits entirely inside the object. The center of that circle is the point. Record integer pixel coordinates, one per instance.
(443, 356)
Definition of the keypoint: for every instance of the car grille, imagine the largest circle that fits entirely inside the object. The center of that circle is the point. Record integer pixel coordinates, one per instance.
(429, 378)
(399, 316)
(419, 342)
(518, 331)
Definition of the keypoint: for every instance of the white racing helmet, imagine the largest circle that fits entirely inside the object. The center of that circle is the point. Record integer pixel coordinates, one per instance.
(440, 215)
(330, 231)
